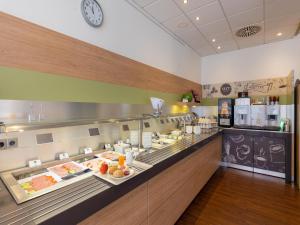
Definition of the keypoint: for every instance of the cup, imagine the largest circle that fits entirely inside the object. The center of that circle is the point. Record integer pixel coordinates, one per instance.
(147, 139)
(197, 130)
(121, 160)
(134, 137)
(129, 157)
(189, 129)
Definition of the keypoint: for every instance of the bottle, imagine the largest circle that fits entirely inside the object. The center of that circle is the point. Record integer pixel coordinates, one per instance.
(287, 125)
(267, 100)
(282, 125)
(277, 100)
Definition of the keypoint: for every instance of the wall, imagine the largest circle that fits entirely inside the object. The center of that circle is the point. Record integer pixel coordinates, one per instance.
(124, 31)
(266, 61)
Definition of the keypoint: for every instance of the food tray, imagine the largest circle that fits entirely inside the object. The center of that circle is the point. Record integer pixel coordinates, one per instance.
(93, 164)
(33, 190)
(109, 156)
(137, 167)
(21, 195)
(68, 170)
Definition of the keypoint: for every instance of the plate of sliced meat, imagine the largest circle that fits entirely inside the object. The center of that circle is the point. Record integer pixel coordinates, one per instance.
(67, 169)
(37, 183)
(109, 155)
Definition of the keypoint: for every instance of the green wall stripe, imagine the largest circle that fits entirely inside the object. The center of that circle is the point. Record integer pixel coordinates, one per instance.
(21, 84)
(283, 100)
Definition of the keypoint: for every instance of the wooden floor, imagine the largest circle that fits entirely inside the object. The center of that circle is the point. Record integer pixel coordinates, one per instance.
(234, 197)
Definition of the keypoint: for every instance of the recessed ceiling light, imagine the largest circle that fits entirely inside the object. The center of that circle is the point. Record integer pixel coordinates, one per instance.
(185, 1)
(213, 40)
(197, 18)
(219, 47)
(279, 34)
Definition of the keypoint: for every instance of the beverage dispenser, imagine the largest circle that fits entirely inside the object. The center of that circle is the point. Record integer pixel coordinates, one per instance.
(242, 113)
(225, 112)
(273, 117)
(258, 116)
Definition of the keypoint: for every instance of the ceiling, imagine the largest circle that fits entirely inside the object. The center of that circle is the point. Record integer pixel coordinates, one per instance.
(209, 26)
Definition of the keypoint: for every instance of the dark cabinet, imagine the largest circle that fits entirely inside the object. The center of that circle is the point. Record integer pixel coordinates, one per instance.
(238, 149)
(269, 154)
(259, 151)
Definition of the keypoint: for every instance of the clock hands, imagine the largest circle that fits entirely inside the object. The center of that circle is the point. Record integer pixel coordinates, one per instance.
(93, 10)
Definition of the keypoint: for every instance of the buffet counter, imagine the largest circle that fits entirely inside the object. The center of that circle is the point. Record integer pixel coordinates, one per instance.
(158, 195)
(259, 151)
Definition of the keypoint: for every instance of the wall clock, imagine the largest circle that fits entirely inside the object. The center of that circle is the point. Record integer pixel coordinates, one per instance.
(92, 12)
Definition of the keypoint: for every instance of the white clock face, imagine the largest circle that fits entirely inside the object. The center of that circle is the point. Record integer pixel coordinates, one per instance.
(92, 12)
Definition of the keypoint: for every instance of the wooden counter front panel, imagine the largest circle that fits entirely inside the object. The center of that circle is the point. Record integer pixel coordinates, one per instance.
(163, 199)
(166, 208)
(131, 209)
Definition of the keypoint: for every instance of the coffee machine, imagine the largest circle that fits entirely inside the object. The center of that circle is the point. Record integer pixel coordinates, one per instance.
(258, 116)
(273, 117)
(242, 113)
(225, 112)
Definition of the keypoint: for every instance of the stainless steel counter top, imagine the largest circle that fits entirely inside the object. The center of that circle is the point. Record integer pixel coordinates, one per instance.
(81, 199)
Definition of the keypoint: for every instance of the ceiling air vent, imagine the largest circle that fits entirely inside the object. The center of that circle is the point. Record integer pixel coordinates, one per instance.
(248, 31)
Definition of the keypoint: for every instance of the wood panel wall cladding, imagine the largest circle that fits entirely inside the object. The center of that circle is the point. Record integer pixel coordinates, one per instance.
(28, 46)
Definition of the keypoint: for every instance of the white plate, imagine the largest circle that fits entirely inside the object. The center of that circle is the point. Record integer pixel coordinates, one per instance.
(100, 155)
(93, 162)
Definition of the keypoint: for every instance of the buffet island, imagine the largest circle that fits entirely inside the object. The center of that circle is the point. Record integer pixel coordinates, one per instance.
(157, 195)
(138, 170)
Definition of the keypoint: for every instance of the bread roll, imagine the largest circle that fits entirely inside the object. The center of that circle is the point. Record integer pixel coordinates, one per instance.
(118, 174)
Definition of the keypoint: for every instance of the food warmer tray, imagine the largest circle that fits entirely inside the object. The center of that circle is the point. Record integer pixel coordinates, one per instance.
(137, 166)
(12, 181)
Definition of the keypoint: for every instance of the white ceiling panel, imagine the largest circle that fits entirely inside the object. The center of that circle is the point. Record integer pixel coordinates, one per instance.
(226, 46)
(207, 14)
(183, 28)
(232, 7)
(192, 4)
(178, 24)
(286, 32)
(252, 16)
(215, 28)
(192, 37)
(206, 50)
(143, 3)
(158, 10)
(251, 41)
(199, 21)
(289, 20)
(221, 38)
(279, 8)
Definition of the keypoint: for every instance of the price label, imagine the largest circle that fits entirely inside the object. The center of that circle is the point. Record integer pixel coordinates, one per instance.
(63, 156)
(87, 151)
(34, 163)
